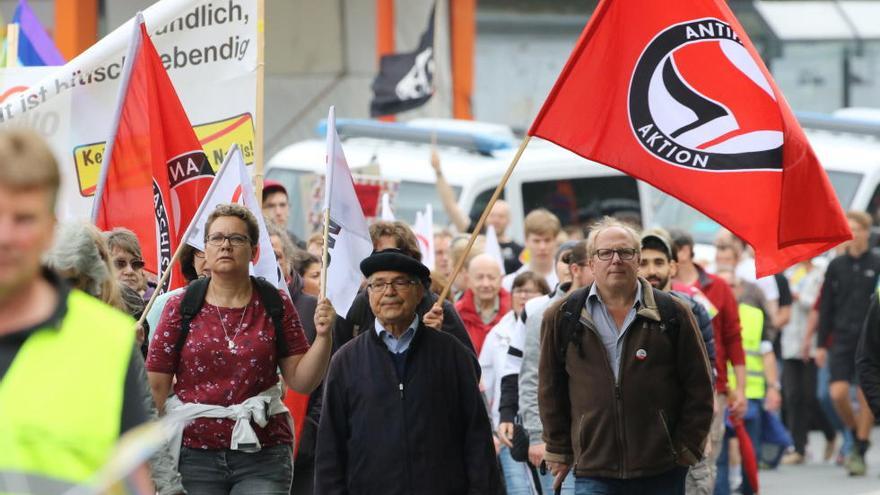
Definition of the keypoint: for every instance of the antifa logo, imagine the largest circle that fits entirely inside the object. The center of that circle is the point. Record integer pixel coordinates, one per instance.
(698, 100)
(163, 246)
(417, 82)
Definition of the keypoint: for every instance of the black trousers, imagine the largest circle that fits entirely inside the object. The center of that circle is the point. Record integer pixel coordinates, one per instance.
(802, 410)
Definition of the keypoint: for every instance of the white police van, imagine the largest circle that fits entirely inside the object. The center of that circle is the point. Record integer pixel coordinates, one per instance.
(474, 157)
(848, 147)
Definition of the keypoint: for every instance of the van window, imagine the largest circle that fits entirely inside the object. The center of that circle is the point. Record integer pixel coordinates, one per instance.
(670, 212)
(411, 197)
(582, 201)
(845, 184)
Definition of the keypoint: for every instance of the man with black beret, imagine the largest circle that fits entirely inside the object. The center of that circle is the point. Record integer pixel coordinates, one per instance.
(417, 423)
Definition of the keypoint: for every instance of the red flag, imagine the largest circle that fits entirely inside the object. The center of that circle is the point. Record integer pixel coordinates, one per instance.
(675, 94)
(155, 172)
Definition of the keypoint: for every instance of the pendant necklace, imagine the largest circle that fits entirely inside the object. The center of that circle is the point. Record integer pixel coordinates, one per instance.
(229, 340)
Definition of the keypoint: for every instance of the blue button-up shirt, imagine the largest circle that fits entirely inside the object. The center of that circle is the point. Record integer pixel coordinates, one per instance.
(612, 336)
(397, 345)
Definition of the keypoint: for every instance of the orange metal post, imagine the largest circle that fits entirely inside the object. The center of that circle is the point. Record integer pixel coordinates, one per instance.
(464, 32)
(384, 35)
(76, 26)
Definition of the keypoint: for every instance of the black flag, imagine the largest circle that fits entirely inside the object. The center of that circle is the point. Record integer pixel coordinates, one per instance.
(405, 80)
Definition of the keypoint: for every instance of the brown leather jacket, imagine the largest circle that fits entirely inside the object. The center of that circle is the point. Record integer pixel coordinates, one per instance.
(656, 416)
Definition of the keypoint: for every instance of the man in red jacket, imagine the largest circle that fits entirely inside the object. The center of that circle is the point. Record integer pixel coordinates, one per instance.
(485, 302)
(721, 304)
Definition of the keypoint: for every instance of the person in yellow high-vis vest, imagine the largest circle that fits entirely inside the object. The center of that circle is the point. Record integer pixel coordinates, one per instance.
(762, 388)
(70, 377)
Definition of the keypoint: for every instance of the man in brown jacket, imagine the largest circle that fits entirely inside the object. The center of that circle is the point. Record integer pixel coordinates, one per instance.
(625, 392)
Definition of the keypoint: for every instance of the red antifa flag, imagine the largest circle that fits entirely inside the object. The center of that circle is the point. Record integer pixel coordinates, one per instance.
(155, 172)
(675, 94)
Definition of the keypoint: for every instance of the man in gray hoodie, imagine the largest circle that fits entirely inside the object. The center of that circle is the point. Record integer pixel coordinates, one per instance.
(581, 276)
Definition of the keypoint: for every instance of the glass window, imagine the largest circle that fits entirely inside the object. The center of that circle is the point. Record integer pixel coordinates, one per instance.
(672, 213)
(410, 198)
(845, 185)
(581, 201)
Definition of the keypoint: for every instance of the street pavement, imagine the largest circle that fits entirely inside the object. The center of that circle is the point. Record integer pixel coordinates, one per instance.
(817, 477)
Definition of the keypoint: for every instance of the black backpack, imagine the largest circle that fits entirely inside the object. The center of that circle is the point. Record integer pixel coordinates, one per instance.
(194, 298)
(572, 330)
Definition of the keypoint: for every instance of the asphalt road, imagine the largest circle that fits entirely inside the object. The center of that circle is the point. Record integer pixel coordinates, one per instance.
(817, 477)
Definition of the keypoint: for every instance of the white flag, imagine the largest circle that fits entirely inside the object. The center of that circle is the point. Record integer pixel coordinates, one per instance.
(232, 184)
(349, 240)
(424, 230)
(387, 214)
(493, 249)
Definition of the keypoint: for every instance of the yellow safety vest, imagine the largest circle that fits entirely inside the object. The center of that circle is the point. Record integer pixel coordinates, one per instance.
(751, 320)
(61, 399)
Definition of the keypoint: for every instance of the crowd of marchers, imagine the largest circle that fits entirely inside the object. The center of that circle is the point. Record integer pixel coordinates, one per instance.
(594, 360)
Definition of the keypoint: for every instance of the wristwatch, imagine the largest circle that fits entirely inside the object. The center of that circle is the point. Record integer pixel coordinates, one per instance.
(775, 385)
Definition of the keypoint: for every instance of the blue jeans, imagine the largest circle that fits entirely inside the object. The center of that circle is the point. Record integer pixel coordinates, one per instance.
(752, 422)
(232, 472)
(516, 474)
(567, 484)
(669, 483)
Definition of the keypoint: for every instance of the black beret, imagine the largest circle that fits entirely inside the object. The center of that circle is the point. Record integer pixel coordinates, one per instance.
(394, 260)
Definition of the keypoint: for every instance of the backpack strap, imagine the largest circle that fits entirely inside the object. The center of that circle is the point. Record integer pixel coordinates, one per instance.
(190, 305)
(192, 302)
(571, 330)
(669, 321)
(194, 299)
(268, 294)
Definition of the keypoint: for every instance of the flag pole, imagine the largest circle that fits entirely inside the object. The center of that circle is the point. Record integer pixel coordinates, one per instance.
(258, 117)
(165, 275)
(187, 232)
(325, 251)
(479, 226)
(12, 32)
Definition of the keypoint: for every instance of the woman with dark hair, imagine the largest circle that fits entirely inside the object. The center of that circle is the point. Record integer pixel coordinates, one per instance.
(493, 359)
(238, 437)
(308, 267)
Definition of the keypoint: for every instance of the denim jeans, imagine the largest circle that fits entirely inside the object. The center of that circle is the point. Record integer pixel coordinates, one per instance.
(669, 483)
(547, 484)
(752, 422)
(516, 474)
(232, 472)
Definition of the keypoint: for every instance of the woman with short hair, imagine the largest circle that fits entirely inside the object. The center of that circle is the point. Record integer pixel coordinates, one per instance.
(126, 256)
(493, 360)
(225, 368)
(81, 256)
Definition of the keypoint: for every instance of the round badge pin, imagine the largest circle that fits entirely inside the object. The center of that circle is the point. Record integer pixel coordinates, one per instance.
(641, 354)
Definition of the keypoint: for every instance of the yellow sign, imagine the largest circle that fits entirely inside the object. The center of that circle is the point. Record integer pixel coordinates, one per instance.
(216, 139)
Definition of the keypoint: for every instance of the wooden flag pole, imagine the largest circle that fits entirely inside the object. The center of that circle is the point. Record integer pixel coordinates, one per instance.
(479, 226)
(325, 253)
(258, 117)
(162, 280)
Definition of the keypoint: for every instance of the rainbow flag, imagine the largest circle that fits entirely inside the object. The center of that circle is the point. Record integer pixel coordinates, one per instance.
(35, 47)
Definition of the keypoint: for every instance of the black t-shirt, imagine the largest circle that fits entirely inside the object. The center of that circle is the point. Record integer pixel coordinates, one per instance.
(133, 411)
(510, 250)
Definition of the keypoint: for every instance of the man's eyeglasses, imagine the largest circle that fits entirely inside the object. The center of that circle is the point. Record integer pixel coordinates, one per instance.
(625, 254)
(236, 240)
(400, 285)
(135, 264)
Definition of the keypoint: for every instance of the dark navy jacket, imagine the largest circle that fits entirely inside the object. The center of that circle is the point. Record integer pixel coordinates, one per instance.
(424, 433)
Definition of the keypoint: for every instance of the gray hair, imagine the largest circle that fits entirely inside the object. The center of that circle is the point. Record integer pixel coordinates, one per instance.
(287, 246)
(76, 251)
(607, 223)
